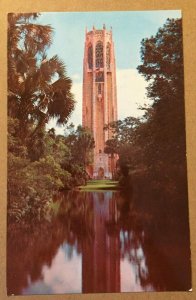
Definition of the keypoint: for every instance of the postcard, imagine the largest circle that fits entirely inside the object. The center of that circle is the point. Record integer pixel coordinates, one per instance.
(97, 197)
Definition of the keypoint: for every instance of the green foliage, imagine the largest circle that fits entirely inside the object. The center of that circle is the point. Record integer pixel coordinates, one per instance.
(155, 144)
(31, 185)
(39, 162)
(123, 142)
(79, 144)
(37, 173)
(164, 133)
(34, 176)
(82, 146)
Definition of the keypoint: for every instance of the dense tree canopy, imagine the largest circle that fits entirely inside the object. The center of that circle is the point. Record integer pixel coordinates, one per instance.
(162, 58)
(156, 142)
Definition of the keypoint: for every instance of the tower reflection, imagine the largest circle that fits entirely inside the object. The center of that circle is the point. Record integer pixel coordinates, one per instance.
(101, 255)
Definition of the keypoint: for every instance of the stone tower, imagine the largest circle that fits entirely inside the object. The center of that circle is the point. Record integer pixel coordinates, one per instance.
(99, 96)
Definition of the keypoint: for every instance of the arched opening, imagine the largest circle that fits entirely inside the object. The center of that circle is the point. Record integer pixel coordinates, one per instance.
(100, 173)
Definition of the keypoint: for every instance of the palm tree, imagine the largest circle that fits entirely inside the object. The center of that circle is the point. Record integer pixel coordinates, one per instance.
(38, 87)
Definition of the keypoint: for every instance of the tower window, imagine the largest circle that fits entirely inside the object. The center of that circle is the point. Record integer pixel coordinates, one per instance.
(99, 77)
(99, 55)
(90, 57)
(99, 88)
(108, 55)
(100, 151)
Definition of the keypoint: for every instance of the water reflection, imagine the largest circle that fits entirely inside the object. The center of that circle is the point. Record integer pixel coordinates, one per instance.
(100, 242)
(101, 256)
(62, 276)
(132, 274)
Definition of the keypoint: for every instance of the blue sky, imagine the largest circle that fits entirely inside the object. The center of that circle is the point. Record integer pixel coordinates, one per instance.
(128, 27)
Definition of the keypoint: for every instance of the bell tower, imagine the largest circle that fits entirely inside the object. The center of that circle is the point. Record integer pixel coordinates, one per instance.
(99, 96)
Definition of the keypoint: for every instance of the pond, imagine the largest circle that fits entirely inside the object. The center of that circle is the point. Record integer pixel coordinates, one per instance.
(101, 241)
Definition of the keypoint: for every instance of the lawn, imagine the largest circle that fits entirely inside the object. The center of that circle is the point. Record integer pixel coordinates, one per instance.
(94, 185)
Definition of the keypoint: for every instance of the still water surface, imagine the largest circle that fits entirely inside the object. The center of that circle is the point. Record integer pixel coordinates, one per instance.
(99, 242)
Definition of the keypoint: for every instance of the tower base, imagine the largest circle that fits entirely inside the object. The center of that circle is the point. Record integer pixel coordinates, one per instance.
(101, 167)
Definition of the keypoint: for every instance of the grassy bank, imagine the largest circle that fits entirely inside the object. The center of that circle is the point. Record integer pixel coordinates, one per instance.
(100, 185)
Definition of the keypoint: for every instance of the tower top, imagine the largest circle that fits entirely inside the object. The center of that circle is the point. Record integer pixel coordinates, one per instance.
(99, 31)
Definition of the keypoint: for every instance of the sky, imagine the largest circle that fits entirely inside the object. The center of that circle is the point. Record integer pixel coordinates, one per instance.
(128, 28)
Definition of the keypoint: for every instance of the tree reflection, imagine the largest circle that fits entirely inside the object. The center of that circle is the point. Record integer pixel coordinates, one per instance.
(154, 235)
(30, 247)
